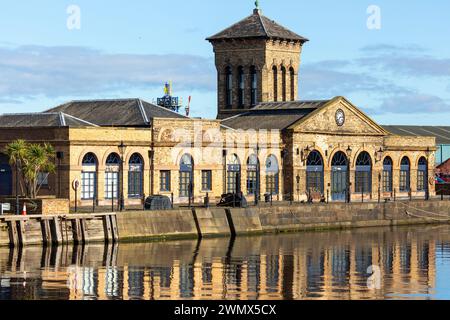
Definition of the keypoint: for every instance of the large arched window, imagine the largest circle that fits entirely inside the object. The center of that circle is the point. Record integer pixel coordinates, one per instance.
(135, 176)
(89, 177)
(234, 175)
(241, 87)
(112, 176)
(275, 83)
(283, 83)
(272, 175)
(405, 175)
(422, 175)
(292, 83)
(228, 87)
(363, 173)
(314, 172)
(186, 176)
(254, 85)
(387, 174)
(252, 174)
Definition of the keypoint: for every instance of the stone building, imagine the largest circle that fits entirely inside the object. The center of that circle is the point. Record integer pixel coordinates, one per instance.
(265, 140)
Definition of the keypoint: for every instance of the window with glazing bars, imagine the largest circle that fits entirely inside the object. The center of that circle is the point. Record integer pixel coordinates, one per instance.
(164, 181)
(206, 180)
(272, 183)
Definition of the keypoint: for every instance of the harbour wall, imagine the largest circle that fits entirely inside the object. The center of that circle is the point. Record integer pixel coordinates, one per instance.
(214, 222)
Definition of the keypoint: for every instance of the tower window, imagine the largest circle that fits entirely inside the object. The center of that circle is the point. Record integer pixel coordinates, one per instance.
(275, 83)
(292, 74)
(241, 89)
(254, 86)
(283, 83)
(228, 87)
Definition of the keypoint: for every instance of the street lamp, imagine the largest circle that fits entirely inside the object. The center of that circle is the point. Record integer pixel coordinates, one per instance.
(151, 156)
(122, 147)
(349, 152)
(379, 155)
(305, 153)
(257, 175)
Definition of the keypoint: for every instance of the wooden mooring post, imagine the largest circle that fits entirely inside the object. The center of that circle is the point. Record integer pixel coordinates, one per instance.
(61, 229)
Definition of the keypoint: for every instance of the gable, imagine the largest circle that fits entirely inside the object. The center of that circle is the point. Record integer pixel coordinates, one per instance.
(323, 120)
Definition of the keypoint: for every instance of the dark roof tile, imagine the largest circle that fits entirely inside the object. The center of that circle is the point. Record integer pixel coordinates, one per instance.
(257, 26)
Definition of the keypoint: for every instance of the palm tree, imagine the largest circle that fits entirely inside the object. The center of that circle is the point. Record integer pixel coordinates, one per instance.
(31, 160)
(17, 152)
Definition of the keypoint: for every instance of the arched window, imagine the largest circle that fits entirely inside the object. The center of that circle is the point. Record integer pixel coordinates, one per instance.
(234, 175)
(272, 175)
(241, 88)
(275, 83)
(89, 177)
(252, 174)
(135, 176)
(283, 83)
(387, 174)
(112, 176)
(422, 175)
(292, 76)
(405, 175)
(363, 173)
(254, 85)
(186, 176)
(314, 172)
(228, 87)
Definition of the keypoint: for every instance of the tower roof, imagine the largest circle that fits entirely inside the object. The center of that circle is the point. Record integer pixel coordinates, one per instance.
(257, 26)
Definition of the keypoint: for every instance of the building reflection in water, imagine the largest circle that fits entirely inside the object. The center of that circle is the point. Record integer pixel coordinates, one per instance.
(329, 265)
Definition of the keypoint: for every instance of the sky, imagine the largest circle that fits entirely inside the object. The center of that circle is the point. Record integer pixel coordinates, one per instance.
(390, 58)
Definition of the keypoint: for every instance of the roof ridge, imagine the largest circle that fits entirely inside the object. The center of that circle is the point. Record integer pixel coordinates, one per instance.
(81, 120)
(142, 111)
(62, 120)
(262, 23)
(155, 105)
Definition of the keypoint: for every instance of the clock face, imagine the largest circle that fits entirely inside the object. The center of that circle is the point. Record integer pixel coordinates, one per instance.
(340, 118)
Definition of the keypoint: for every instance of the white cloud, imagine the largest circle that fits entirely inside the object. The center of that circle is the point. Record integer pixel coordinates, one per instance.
(31, 71)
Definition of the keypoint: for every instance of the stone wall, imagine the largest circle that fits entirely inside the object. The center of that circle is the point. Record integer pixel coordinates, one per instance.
(225, 221)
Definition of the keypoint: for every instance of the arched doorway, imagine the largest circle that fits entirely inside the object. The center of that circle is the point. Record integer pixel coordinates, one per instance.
(5, 176)
(314, 172)
(135, 176)
(339, 177)
(363, 174)
(234, 175)
(112, 176)
(186, 176)
(272, 175)
(422, 175)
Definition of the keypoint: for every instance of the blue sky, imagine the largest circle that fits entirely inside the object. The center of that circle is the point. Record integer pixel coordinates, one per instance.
(399, 74)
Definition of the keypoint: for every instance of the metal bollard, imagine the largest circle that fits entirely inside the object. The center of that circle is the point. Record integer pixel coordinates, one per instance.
(171, 197)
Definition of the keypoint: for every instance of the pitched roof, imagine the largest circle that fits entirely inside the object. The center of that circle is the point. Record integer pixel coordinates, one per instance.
(116, 112)
(274, 115)
(257, 26)
(47, 119)
(441, 133)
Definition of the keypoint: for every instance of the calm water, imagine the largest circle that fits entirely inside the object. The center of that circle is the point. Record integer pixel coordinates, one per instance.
(414, 264)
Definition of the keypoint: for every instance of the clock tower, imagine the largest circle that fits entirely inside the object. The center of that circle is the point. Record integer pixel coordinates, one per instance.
(257, 60)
